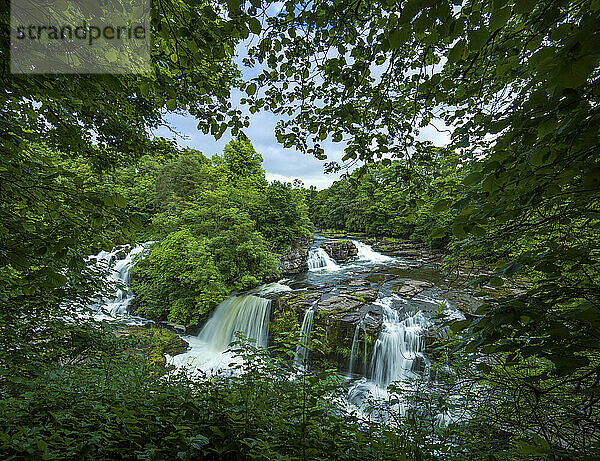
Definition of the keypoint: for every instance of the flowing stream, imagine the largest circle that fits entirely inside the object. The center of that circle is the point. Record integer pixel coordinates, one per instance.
(319, 259)
(244, 318)
(366, 253)
(118, 263)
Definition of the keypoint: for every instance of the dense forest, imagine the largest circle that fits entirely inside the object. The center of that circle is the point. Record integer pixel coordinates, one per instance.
(509, 209)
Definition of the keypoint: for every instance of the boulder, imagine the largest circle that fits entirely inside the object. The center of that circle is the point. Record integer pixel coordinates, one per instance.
(293, 261)
(358, 283)
(335, 321)
(340, 250)
(410, 288)
(408, 249)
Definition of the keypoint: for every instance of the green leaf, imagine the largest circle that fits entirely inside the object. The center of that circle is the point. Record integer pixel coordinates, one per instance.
(473, 178)
(441, 205)
(499, 18)
(254, 25)
(456, 52)
(251, 89)
(399, 37)
(171, 104)
(459, 325)
(478, 38)
(459, 231)
(524, 6)
(574, 74)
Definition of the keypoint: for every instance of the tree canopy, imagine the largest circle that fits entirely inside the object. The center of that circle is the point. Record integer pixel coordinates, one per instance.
(515, 83)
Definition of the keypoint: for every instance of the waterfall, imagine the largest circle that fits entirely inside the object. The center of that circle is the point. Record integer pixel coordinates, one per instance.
(354, 341)
(365, 351)
(302, 349)
(319, 259)
(398, 346)
(366, 253)
(269, 288)
(247, 314)
(118, 275)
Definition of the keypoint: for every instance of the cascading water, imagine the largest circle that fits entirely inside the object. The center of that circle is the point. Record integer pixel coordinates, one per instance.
(119, 271)
(302, 349)
(398, 346)
(319, 259)
(269, 288)
(353, 349)
(247, 314)
(366, 253)
(355, 344)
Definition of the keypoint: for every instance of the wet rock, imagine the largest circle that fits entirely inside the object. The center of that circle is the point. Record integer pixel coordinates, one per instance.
(340, 250)
(341, 303)
(354, 307)
(293, 261)
(358, 283)
(378, 269)
(464, 302)
(408, 249)
(411, 288)
(368, 294)
(334, 323)
(298, 300)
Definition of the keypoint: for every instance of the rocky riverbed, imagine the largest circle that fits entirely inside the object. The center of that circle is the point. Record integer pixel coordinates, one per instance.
(346, 299)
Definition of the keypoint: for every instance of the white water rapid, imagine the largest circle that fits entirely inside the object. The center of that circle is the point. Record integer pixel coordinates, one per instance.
(319, 259)
(397, 347)
(366, 253)
(119, 270)
(394, 354)
(306, 329)
(393, 359)
(246, 314)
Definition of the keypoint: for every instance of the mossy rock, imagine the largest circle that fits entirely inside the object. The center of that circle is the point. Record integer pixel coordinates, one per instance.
(340, 250)
(333, 329)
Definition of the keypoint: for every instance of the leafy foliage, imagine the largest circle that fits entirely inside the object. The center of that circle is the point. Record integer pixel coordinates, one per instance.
(403, 199)
(114, 404)
(179, 280)
(225, 221)
(517, 83)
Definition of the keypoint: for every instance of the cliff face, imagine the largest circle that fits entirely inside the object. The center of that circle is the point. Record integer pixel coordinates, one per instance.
(338, 311)
(340, 250)
(293, 261)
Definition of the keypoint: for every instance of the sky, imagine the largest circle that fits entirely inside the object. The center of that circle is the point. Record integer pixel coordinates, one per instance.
(279, 163)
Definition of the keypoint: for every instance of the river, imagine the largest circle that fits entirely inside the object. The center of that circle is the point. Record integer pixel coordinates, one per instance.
(407, 293)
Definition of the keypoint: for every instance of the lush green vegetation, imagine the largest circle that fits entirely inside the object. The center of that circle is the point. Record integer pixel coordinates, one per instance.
(399, 199)
(220, 227)
(517, 189)
(130, 409)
